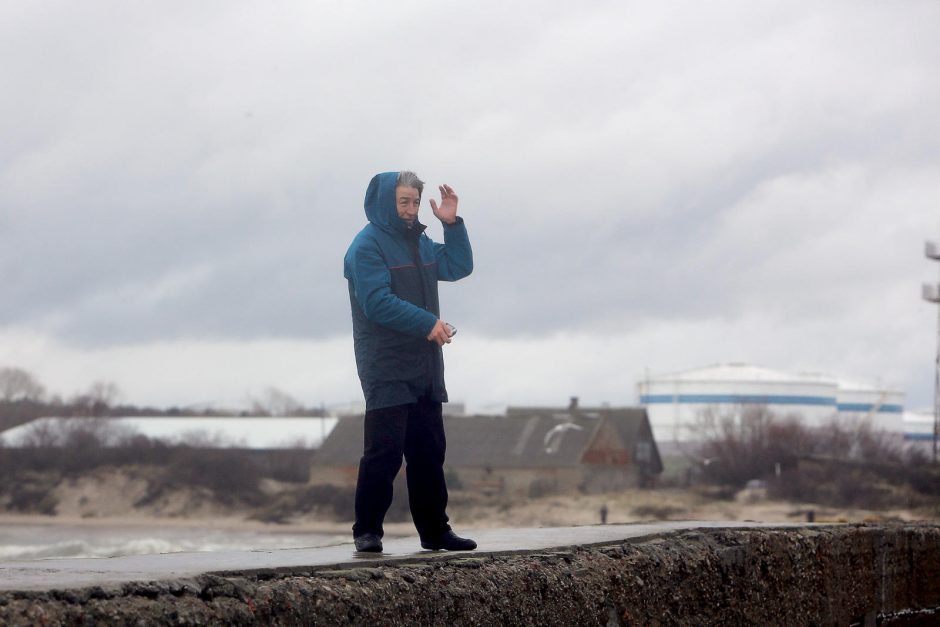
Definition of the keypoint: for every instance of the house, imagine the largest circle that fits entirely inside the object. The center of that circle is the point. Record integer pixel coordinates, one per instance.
(528, 452)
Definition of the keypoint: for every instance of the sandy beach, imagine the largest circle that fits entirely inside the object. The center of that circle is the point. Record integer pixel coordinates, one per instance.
(108, 512)
(473, 511)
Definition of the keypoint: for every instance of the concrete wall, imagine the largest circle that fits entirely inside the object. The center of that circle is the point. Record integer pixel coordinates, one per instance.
(823, 575)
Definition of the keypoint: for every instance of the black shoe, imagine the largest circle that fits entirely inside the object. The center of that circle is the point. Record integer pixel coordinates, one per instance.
(449, 541)
(368, 543)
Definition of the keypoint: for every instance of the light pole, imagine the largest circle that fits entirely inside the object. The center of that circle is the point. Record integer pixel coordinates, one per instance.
(931, 293)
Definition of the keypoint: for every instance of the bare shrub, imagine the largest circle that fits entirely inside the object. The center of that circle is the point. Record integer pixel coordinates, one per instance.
(657, 512)
(232, 475)
(43, 434)
(203, 439)
(541, 487)
(856, 483)
(66, 447)
(73, 446)
(77, 445)
(845, 439)
(22, 411)
(843, 463)
(332, 500)
(337, 502)
(452, 479)
(33, 493)
(752, 443)
(292, 466)
(923, 478)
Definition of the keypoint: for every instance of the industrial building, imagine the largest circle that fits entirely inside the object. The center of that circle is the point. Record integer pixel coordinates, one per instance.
(919, 431)
(246, 432)
(676, 402)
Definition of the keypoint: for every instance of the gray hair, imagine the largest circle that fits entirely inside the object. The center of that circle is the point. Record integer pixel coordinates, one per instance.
(407, 178)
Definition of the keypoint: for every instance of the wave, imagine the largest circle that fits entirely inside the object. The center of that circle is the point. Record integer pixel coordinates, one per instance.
(83, 548)
(147, 545)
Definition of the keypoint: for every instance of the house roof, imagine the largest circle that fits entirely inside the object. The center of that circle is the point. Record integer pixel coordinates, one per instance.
(524, 438)
(632, 423)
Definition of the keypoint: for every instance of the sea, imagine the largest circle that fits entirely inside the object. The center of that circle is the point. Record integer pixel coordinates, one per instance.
(21, 541)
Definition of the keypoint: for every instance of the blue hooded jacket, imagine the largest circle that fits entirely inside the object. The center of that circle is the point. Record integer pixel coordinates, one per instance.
(392, 272)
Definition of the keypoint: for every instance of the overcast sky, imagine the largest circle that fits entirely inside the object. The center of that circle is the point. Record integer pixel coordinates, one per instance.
(648, 187)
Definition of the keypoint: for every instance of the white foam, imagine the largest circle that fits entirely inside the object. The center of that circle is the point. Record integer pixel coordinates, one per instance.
(122, 542)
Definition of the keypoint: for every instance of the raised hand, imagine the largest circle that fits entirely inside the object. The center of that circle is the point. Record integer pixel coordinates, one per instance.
(447, 212)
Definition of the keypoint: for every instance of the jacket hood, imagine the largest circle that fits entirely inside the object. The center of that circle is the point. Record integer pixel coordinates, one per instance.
(380, 203)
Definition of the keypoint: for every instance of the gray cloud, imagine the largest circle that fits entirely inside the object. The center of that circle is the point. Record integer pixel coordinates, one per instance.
(196, 171)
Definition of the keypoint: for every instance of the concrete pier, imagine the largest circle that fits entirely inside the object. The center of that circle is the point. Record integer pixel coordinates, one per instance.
(61, 574)
(663, 573)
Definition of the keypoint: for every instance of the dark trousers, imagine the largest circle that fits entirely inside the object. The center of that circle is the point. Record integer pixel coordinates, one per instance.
(417, 432)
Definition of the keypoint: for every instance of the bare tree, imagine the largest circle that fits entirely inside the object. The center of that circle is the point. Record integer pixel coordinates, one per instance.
(747, 442)
(44, 433)
(17, 384)
(100, 397)
(752, 442)
(104, 392)
(275, 402)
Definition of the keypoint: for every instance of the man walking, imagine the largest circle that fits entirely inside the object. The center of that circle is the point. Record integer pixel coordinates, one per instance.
(392, 269)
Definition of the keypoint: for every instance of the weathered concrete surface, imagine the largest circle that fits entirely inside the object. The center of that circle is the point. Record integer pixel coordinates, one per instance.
(51, 574)
(836, 574)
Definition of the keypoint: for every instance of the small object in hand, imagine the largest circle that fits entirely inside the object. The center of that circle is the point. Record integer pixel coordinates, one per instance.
(451, 329)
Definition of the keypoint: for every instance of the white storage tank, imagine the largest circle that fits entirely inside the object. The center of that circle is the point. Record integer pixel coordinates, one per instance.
(858, 401)
(675, 402)
(918, 430)
(882, 406)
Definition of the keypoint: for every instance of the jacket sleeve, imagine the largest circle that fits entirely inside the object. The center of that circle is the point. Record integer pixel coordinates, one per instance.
(454, 256)
(372, 287)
